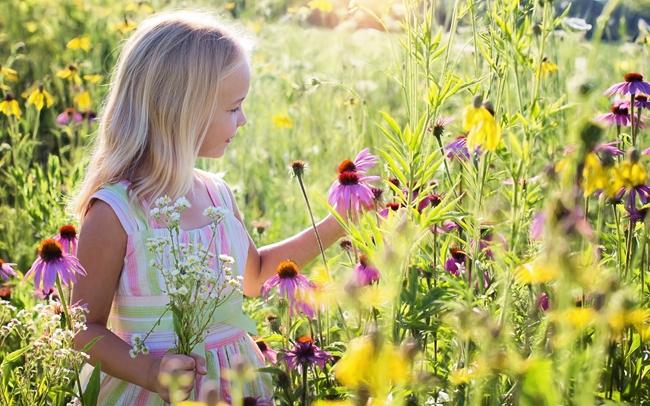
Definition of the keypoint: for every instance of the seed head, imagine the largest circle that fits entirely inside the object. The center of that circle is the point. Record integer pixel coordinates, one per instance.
(298, 168)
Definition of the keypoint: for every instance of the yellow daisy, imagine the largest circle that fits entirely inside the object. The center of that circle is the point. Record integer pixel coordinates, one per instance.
(9, 106)
(546, 68)
(79, 42)
(82, 100)
(39, 97)
(70, 73)
(9, 74)
(482, 128)
(594, 177)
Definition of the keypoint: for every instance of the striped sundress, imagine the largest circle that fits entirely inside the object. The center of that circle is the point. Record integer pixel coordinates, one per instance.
(140, 300)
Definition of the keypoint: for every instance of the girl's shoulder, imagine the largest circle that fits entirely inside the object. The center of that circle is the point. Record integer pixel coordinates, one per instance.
(220, 186)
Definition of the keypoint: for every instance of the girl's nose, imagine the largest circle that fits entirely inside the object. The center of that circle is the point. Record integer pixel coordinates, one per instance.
(242, 120)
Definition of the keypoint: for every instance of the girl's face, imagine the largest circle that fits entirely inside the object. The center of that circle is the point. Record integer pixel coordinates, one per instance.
(229, 114)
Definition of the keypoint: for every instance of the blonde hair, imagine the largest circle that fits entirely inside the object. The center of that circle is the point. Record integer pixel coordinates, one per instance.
(163, 93)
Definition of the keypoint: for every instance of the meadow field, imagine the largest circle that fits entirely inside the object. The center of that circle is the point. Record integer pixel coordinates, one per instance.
(495, 121)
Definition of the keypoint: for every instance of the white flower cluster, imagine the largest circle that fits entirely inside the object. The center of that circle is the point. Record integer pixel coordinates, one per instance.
(194, 284)
(49, 358)
(137, 340)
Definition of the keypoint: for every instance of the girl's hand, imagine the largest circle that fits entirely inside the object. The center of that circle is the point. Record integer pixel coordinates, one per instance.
(180, 370)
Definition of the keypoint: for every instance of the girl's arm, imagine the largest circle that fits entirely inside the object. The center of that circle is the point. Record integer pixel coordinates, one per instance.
(301, 248)
(101, 250)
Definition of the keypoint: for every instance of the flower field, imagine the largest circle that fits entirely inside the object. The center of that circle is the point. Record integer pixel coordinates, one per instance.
(493, 159)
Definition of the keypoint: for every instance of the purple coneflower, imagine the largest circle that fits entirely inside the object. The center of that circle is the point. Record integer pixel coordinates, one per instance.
(67, 115)
(542, 301)
(290, 280)
(646, 151)
(641, 101)
(389, 207)
(304, 353)
(255, 401)
(6, 271)
(458, 148)
(352, 190)
(52, 261)
(633, 84)
(269, 353)
(619, 115)
(440, 124)
(455, 264)
(365, 160)
(609, 147)
(364, 273)
(67, 237)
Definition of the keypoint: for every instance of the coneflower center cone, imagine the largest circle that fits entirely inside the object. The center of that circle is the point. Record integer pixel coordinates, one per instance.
(634, 77)
(287, 269)
(49, 250)
(347, 166)
(348, 178)
(68, 232)
(620, 110)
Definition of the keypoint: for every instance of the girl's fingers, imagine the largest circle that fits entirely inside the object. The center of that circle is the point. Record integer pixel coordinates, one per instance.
(200, 364)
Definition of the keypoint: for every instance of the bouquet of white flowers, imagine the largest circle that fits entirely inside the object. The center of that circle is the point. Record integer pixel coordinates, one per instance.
(195, 290)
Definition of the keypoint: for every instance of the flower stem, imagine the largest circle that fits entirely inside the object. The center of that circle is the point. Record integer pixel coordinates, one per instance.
(68, 321)
(303, 402)
(313, 224)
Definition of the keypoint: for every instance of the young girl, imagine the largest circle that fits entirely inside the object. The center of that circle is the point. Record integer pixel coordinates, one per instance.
(176, 95)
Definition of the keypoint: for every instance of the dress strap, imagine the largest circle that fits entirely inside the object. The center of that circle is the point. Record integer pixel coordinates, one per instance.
(116, 196)
(216, 189)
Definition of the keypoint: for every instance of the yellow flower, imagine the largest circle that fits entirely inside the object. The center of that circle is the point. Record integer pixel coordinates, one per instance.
(323, 5)
(94, 78)
(139, 6)
(351, 102)
(82, 101)
(230, 5)
(282, 121)
(125, 26)
(9, 106)
(9, 74)
(580, 317)
(376, 367)
(345, 402)
(39, 97)
(70, 73)
(546, 68)
(482, 129)
(79, 42)
(535, 272)
(594, 177)
(628, 174)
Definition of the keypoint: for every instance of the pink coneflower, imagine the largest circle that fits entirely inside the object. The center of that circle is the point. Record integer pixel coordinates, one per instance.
(458, 149)
(67, 115)
(364, 273)
(269, 353)
(646, 151)
(6, 270)
(633, 84)
(389, 207)
(455, 264)
(255, 401)
(290, 280)
(361, 163)
(619, 115)
(641, 101)
(52, 261)
(352, 190)
(304, 353)
(440, 124)
(67, 237)
(542, 301)
(609, 147)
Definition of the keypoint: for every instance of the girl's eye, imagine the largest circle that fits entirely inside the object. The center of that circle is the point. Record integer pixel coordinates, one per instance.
(236, 109)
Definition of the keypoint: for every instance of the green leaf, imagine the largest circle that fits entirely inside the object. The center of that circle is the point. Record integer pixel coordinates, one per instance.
(90, 344)
(91, 394)
(16, 354)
